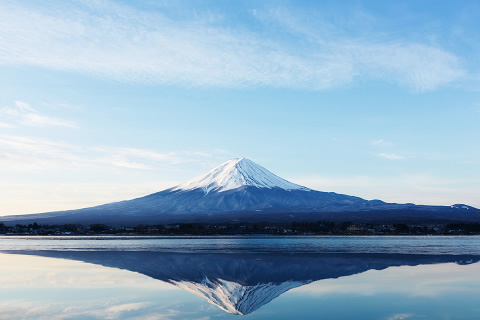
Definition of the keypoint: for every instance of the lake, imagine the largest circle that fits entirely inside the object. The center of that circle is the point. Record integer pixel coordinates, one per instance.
(311, 277)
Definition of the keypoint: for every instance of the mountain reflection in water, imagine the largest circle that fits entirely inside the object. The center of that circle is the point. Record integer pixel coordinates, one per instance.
(240, 283)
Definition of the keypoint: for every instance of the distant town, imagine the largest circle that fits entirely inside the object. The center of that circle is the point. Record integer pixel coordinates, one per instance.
(293, 228)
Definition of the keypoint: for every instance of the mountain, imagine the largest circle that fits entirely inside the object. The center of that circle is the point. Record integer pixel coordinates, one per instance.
(240, 283)
(241, 190)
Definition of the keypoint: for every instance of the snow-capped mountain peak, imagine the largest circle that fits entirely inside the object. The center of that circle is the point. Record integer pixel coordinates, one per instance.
(237, 173)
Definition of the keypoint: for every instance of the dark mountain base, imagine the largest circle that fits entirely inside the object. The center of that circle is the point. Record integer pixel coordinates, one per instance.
(408, 216)
(250, 204)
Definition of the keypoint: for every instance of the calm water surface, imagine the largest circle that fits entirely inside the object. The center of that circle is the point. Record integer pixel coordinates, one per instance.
(240, 277)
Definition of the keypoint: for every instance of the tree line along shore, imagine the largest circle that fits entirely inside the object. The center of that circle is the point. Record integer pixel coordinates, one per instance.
(261, 228)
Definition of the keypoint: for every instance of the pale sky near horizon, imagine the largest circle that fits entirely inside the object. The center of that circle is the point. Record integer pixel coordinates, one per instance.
(104, 101)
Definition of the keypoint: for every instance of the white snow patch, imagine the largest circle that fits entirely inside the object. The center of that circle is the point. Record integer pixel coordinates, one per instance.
(237, 173)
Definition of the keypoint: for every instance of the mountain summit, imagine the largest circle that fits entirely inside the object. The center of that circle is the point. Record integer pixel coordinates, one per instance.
(237, 173)
(241, 190)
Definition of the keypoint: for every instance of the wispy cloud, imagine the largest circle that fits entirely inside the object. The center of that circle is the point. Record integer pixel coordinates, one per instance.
(148, 154)
(390, 156)
(20, 152)
(24, 114)
(381, 143)
(119, 161)
(127, 44)
(366, 52)
(37, 120)
(24, 152)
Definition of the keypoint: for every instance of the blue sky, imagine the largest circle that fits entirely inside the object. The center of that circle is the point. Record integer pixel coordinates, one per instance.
(104, 101)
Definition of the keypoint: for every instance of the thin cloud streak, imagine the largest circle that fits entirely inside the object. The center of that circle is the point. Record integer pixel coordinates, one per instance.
(25, 115)
(37, 120)
(24, 153)
(122, 43)
(391, 156)
(381, 143)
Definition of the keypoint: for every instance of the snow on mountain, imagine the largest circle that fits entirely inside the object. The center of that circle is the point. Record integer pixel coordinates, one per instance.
(461, 206)
(237, 173)
(235, 298)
